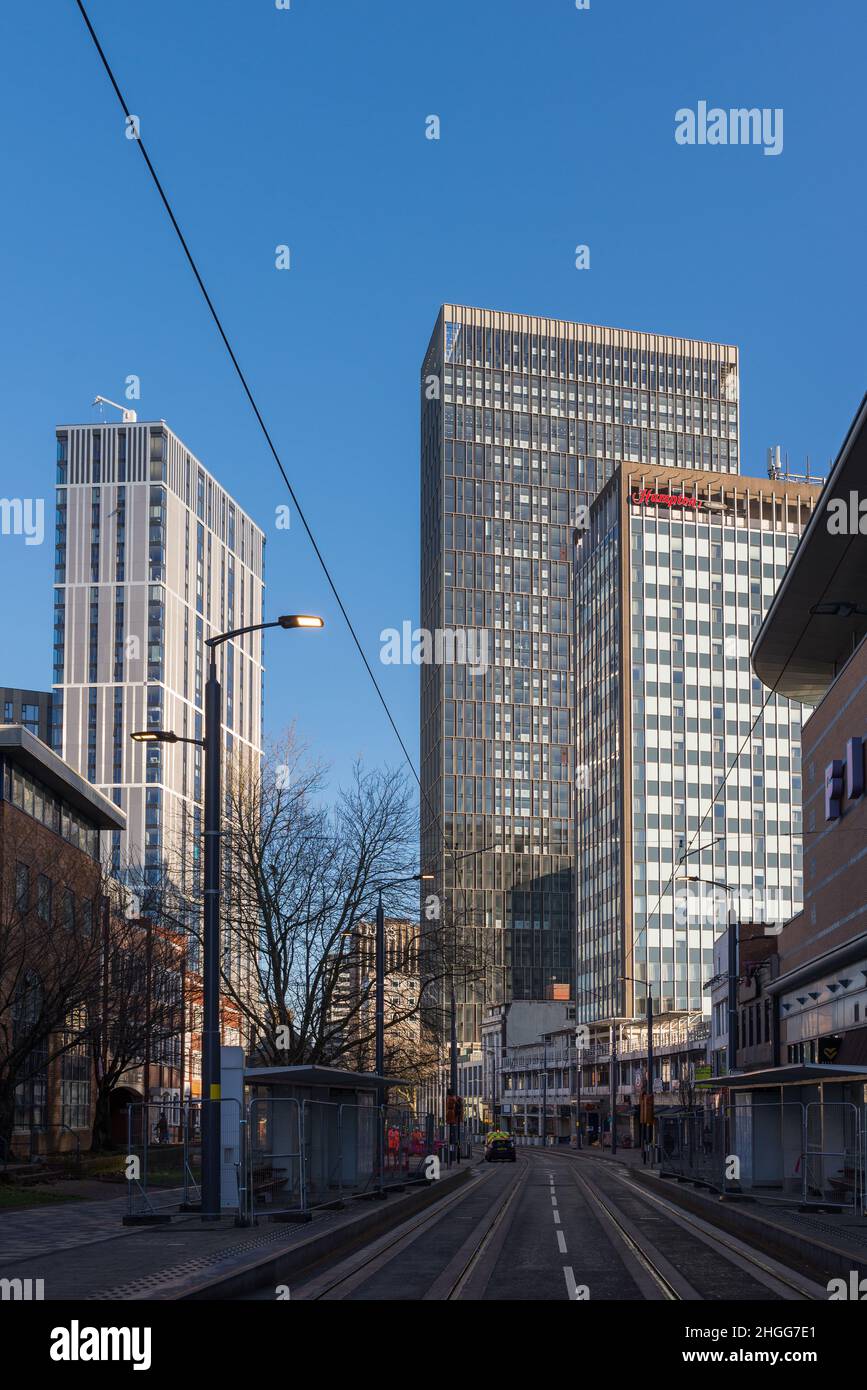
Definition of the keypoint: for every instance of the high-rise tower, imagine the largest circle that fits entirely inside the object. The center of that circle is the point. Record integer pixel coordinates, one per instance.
(688, 786)
(152, 557)
(523, 421)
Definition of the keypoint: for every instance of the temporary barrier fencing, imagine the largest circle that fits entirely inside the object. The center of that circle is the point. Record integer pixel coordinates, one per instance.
(280, 1157)
(786, 1152)
(163, 1159)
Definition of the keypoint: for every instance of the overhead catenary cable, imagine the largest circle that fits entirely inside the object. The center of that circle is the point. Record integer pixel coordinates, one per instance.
(273, 450)
(259, 417)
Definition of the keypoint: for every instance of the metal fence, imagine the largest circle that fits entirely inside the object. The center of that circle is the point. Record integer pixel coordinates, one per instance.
(307, 1154)
(810, 1154)
(275, 1168)
(164, 1157)
(279, 1157)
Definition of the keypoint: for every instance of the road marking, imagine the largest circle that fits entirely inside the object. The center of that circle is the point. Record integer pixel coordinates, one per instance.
(571, 1286)
(556, 1216)
(553, 1200)
(561, 1241)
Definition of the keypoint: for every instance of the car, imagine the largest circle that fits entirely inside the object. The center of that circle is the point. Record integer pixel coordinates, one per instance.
(499, 1148)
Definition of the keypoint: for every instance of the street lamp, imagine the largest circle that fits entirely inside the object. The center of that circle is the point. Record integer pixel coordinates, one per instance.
(211, 934)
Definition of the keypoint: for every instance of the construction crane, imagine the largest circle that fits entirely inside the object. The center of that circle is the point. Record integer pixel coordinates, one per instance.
(129, 416)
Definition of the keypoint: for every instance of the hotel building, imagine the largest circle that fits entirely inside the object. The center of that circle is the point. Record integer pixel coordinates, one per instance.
(523, 421)
(673, 576)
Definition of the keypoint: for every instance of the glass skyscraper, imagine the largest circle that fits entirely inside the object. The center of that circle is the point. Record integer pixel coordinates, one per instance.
(523, 421)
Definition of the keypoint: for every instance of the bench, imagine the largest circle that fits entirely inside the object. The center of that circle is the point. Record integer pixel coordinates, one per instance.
(266, 1181)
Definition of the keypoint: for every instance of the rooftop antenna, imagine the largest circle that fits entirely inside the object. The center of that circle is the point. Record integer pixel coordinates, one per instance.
(129, 416)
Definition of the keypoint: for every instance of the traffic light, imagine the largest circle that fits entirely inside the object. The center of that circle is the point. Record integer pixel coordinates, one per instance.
(459, 1110)
(454, 1109)
(645, 1110)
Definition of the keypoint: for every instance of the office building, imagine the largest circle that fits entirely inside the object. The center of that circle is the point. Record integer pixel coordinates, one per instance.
(30, 708)
(673, 577)
(523, 421)
(152, 558)
(352, 1009)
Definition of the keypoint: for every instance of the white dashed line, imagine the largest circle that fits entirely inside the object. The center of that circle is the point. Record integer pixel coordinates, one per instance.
(556, 1216)
(553, 1200)
(561, 1241)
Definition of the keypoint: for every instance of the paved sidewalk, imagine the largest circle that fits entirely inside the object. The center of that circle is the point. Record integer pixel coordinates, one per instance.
(37, 1230)
(84, 1252)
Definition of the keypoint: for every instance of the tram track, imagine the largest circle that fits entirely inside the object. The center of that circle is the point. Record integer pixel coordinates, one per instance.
(488, 1239)
(778, 1280)
(352, 1273)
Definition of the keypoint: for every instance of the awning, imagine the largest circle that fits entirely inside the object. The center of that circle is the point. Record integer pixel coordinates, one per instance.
(798, 651)
(20, 746)
(798, 1074)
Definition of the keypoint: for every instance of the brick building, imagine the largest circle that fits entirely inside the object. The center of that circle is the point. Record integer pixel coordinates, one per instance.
(51, 890)
(813, 648)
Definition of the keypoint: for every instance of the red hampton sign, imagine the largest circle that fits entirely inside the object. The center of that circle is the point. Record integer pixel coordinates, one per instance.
(664, 499)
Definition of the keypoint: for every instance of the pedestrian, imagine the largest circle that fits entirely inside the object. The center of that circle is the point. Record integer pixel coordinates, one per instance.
(162, 1128)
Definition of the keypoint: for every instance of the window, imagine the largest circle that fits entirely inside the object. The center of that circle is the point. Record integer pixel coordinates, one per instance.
(22, 889)
(43, 898)
(85, 916)
(75, 1069)
(30, 718)
(67, 917)
(27, 1007)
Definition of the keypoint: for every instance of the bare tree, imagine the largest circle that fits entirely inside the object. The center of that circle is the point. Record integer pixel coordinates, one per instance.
(301, 880)
(137, 1008)
(50, 955)
(686, 1085)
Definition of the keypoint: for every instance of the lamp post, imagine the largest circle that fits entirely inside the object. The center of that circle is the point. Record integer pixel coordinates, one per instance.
(732, 953)
(544, 1090)
(453, 1026)
(379, 1004)
(579, 1063)
(648, 1127)
(212, 745)
(613, 1086)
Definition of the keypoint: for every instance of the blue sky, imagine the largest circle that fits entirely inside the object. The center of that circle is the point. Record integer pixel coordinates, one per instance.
(306, 127)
